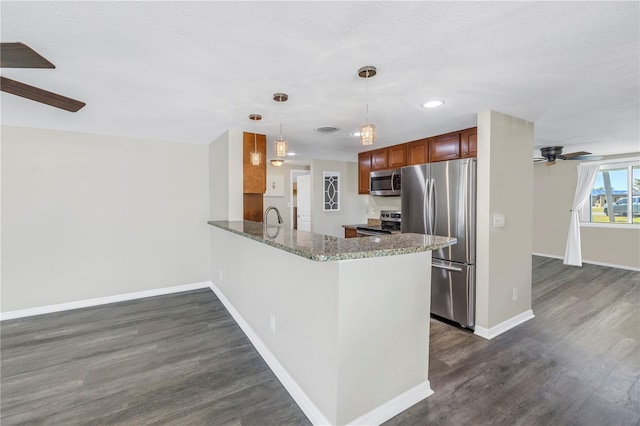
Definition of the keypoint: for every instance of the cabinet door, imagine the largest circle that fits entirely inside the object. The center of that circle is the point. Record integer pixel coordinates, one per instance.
(417, 152)
(254, 177)
(469, 142)
(379, 159)
(397, 156)
(252, 207)
(350, 233)
(364, 168)
(444, 147)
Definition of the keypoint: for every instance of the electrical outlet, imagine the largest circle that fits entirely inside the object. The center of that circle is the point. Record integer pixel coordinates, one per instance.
(272, 323)
(515, 294)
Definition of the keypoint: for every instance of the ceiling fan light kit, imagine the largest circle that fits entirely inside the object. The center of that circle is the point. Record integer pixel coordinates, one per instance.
(19, 55)
(368, 130)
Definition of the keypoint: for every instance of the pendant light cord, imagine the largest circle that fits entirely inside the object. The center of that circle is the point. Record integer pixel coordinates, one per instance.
(367, 95)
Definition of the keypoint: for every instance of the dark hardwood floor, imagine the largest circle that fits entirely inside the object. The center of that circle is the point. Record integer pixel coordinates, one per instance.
(181, 359)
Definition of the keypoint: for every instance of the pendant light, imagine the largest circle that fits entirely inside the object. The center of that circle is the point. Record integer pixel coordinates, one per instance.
(255, 156)
(368, 130)
(280, 145)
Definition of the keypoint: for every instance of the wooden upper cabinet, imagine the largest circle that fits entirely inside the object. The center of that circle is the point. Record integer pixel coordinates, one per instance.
(444, 147)
(468, 143)
(254, 177)
(397, 155)
(380, 159)
(364, 168)
(417, 152)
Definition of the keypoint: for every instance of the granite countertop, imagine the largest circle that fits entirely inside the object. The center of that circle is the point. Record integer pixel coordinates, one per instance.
(323, 248)
(354, 226)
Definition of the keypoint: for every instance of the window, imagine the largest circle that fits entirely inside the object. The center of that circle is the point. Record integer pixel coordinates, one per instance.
(615, 197)
(331, 200)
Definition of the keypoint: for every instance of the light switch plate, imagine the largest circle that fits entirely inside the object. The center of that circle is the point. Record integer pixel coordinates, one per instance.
(498, 220)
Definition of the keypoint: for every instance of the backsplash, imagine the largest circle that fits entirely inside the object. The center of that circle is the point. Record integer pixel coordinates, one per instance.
(382, 203)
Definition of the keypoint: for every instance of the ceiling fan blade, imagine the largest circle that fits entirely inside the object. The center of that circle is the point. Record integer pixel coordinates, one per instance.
(587, 157)
(539, 160)
(39, 95)
(575, 154)
(19, 55)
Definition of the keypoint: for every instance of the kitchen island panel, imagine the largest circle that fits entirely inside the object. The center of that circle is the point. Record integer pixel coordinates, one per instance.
(352, 335)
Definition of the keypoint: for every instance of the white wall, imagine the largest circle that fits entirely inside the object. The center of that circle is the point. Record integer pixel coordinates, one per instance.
(87, 216)
(225, 176)
(382, 203)
(505, 185)
(281, 203)
(554, 189)
(353, 207)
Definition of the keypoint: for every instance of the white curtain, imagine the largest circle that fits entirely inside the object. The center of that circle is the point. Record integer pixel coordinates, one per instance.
(586, 178)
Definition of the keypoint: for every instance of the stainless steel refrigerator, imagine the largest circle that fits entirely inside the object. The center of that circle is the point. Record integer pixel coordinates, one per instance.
(440, 199)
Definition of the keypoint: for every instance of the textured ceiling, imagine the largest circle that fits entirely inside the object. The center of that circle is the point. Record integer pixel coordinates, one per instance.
(188, 71)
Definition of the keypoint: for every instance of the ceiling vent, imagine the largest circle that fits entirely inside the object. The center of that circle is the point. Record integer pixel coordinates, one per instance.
(327, 129)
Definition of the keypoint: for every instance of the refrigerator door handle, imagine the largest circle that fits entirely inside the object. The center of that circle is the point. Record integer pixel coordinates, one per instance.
(433, 206)
(425, 208)
(447, 267)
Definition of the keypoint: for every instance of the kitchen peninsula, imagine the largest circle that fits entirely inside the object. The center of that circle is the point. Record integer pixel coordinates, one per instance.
(343, 323)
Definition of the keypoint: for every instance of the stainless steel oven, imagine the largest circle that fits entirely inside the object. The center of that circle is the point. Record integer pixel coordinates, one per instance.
(385, 183)
(390, 221)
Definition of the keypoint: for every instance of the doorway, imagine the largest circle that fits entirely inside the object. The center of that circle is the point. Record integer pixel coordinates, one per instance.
(294, 195)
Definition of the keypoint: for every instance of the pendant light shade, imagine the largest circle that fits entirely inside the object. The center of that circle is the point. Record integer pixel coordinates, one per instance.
(367, 134)
(368, 130)
(255, 157)
(280, 145)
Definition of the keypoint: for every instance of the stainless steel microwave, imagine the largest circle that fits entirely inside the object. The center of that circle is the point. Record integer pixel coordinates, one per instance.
(385, 183)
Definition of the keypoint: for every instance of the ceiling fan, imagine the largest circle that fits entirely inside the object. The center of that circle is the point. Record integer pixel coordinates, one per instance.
(19, 55)
(552, 153)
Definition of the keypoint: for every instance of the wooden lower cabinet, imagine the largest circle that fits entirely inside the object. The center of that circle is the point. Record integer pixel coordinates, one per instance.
(252, 207)
(350, 233)
(364, 169)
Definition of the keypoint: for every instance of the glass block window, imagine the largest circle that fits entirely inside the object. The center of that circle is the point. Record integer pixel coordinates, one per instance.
(331, 195)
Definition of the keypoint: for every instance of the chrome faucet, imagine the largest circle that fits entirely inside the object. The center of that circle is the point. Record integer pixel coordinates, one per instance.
(266, 214)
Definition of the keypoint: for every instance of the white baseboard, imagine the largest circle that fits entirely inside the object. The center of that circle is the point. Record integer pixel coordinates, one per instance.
(395, 406)
(40, 310)
(592, 262)
(299, 396)
(490, 333)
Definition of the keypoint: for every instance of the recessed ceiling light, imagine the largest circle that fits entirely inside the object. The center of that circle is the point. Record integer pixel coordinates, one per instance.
(432, 104)
(291, 154)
